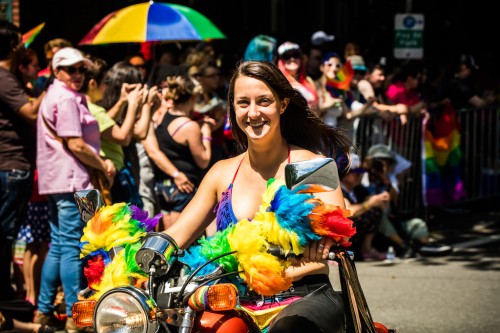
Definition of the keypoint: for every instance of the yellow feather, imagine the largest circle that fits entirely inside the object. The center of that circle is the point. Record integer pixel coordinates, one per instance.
(114, 275)
(268, 195)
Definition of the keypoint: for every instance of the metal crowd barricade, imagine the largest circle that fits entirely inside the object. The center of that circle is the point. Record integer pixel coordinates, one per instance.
(481, 151)
(406, 140)
(480, 147)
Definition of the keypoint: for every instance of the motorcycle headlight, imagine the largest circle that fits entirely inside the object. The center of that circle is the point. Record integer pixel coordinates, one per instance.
(125, 310)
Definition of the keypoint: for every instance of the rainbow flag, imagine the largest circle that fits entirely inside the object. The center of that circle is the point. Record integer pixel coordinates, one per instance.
(442, 160)
(343, 78)
(29, 36)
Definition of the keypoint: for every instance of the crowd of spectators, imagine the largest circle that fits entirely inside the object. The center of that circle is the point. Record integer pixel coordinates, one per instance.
(154, 126)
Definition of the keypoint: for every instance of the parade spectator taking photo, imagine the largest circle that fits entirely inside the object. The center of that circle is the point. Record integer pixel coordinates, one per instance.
(409, 234)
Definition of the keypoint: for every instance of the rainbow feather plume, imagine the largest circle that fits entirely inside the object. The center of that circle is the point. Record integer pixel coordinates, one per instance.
(116, 226)
(292, 211)
(117, 273)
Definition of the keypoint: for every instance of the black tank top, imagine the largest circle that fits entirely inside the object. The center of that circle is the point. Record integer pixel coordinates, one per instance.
(178, 154)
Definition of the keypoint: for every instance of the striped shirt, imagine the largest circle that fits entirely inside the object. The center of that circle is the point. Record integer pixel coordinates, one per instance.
(66, 112)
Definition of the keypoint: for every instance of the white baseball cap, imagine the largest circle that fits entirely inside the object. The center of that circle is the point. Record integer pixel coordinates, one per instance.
(288, 46)
(320, 37)
(68, 56)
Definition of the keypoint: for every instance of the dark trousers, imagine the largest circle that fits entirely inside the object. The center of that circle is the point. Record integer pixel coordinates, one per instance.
(320, 311)
(15, 191)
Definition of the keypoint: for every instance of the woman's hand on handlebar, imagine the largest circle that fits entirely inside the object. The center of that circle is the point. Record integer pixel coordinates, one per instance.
(318, 250)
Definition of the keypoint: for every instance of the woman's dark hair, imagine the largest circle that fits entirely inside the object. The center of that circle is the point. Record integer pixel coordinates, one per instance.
(95, 72)
(121, 72)
(299, 126)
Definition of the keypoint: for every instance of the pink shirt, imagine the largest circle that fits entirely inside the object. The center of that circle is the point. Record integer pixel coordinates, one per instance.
(65, 111)
(398, 93)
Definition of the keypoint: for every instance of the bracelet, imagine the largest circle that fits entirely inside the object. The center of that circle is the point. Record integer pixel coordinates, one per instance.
(365, 206)
(175, 174)
(206, 138)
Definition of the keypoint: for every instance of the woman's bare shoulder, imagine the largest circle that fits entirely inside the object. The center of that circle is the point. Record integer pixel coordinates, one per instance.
(300, 154)
(222, 171)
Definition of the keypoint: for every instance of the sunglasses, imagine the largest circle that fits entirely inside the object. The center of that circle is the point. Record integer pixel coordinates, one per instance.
(332, 64)
(72, 70)
(290, 55)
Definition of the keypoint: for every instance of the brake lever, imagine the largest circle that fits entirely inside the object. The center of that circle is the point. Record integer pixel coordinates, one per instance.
(212, 275)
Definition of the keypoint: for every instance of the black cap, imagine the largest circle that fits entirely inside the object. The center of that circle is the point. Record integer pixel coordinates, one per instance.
(469, 61)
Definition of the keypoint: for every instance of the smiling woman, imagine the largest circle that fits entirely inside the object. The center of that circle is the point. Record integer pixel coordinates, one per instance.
(273, 126)
(255, 108)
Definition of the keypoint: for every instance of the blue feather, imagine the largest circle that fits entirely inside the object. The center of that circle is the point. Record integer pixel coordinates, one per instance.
(292, 211)
(194, 259)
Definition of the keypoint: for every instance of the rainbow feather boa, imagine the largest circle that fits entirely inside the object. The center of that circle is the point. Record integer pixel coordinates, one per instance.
(290, 219)
(118, 225)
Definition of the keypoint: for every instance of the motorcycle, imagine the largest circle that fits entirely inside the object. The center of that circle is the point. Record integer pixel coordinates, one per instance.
(174, 296)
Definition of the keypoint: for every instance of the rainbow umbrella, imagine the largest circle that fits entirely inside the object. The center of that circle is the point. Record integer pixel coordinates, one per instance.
(146, 22)
(29, 36)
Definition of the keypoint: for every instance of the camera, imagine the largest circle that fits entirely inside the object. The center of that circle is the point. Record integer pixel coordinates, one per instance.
(378, 165)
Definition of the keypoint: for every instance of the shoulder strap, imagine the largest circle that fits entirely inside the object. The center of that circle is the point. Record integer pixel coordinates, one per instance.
(238, 169)
(180, 126)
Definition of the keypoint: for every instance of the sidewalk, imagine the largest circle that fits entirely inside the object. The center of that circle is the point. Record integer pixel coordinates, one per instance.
(460, 223)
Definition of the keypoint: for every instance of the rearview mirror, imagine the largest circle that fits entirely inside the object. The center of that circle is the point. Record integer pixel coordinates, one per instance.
(321, 171)
(89, 202)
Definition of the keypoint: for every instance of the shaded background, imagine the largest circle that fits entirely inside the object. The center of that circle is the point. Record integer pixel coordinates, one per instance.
(451, 27)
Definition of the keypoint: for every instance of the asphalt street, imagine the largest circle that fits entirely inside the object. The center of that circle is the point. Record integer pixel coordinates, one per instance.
(457, 293)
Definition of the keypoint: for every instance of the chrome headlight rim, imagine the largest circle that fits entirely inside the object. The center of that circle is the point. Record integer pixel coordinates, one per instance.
(146, 303)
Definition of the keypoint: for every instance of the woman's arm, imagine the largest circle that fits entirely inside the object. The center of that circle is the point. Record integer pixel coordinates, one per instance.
(199, 141)
(378, 200)
(142, 124)
(87, 156)
(123, 134)
(116, 111)
(29, 111)
(163, 163)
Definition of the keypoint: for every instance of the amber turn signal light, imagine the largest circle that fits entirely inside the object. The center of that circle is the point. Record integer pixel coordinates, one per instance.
(222, 297)
(83, 312)
(219, 297)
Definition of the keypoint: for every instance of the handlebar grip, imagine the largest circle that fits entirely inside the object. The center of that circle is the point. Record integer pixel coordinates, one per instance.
(277, 251)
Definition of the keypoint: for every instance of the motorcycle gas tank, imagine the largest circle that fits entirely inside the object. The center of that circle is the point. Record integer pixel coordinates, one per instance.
(222, 322)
